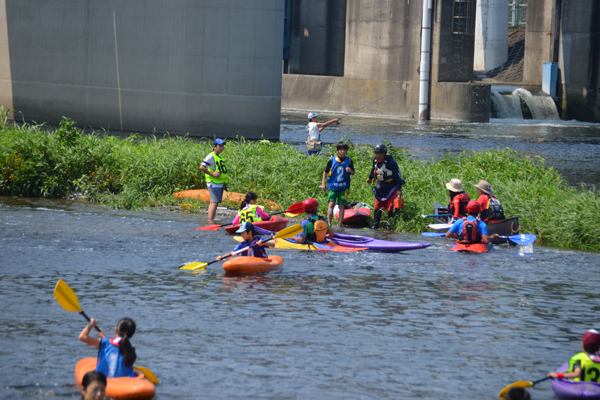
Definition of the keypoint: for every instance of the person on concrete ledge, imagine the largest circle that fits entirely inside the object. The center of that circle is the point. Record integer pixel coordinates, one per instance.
(215, 172)
(313, 130)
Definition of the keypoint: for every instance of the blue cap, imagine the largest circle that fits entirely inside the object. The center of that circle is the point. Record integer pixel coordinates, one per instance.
(245, 227)
(217, 142)
(312, 115)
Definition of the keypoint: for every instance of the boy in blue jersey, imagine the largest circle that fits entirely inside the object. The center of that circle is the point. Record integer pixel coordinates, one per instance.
(339, 170)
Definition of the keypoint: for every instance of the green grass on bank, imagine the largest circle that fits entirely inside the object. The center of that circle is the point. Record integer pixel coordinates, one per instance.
(39, 162)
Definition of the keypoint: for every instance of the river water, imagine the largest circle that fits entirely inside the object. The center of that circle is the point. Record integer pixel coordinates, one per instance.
(428, 323)
(572, 147)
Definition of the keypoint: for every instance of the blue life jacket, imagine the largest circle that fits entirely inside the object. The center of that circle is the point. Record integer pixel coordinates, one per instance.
(339, 178)
(110, 361)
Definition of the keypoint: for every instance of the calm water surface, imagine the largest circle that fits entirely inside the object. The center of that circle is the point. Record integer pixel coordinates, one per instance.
(573, 148)
(429, 324)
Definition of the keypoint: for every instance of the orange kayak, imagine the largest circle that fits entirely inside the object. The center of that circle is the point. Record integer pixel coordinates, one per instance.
(252, 265)
(117, 388)
(473, 248)
(203, 194)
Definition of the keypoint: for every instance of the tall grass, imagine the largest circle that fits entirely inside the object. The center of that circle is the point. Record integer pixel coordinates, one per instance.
(36, 161)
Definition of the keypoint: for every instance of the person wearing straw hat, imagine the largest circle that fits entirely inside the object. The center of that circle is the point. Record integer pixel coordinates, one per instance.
(458, 199)
(491, 209)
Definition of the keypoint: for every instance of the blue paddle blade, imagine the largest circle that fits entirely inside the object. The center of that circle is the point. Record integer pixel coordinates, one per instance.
(433, 234)
(523, 239)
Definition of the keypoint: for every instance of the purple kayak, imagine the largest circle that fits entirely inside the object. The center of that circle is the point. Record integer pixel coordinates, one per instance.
(375, 244)
(565, 389)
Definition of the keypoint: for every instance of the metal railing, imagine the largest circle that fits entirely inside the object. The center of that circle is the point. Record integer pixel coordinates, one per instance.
(517, 13)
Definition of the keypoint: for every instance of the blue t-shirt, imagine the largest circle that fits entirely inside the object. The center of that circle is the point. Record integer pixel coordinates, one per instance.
(110, 361)
(458, 226)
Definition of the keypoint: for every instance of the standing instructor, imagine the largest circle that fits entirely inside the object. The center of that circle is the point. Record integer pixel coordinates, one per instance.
(215, 173)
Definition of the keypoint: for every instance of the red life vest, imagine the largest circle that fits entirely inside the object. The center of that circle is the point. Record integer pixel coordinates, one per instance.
(464, 200)
(470, 233)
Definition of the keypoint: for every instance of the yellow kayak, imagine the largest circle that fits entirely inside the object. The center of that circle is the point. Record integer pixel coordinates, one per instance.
(288, 244)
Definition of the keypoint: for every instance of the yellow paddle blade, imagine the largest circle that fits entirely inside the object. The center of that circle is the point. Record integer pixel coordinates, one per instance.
(66, 297)
(194, 265)
(289, 232)
(147, 374)
(523, 384)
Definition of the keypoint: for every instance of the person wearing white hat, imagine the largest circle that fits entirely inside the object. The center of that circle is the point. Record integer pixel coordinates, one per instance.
(458, 199)
(313, 130)
(491, 209)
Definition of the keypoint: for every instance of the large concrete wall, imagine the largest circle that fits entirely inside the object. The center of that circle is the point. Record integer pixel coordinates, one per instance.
(382, 55)
(317, 37)
(539, 39)
(207, 67)
(381, 68)
(579, 60)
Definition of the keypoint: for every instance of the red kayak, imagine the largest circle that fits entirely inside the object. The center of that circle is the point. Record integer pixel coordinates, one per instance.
(275, 224)
(472, 248)
(352, 216)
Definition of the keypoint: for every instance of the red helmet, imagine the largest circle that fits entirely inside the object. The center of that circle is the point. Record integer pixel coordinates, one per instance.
(310, 205)
(473, 207)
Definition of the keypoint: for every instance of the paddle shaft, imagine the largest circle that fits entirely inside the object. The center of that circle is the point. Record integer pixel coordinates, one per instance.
(89, 320)
(541, 380)
(435, 215)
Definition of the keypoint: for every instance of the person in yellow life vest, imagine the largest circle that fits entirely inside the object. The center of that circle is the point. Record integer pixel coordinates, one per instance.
(316, 228)
(215, 173)
(249, 211)
(584, 366)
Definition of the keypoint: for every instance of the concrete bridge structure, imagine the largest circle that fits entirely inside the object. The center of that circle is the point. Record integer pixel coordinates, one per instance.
(214, 67)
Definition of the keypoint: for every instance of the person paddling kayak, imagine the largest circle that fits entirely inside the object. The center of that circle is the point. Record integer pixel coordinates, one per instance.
(115, 356)
(316, 228)
(584, 366)
(469, 229)
(249, 211)
(248, 232)
(458, 199)
(491, 209)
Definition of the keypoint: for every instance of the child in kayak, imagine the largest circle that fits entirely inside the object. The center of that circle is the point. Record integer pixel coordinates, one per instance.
(458, 199)
(469, 229)
(249, 211)
(339, 170)
(256, 244)
(93, 386)
(115, 356)
(316, 228)
(584, 366)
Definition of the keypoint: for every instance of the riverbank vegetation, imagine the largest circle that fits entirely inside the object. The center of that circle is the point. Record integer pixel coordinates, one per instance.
(36, 161)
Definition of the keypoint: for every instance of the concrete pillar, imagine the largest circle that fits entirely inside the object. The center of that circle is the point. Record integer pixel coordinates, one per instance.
(6, 97)
(491, 34)
(539, 39)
